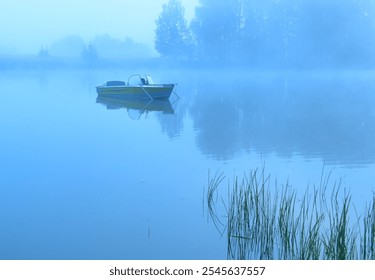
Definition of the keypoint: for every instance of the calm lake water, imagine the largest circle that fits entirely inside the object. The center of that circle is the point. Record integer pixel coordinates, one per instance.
(82, 178)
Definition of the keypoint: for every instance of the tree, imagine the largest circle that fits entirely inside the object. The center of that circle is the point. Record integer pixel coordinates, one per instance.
(337, 33)
(268, 29)
(70, 46)
(217, 26)
(172, 35)
(43, 52)
(89, 54)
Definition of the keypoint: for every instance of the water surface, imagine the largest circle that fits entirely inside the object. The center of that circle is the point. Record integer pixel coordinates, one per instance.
(86, 179)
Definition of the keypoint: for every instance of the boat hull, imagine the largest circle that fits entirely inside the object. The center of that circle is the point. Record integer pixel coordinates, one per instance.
(155, 91)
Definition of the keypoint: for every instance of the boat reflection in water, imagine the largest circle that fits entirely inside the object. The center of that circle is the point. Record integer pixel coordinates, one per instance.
(136, 106)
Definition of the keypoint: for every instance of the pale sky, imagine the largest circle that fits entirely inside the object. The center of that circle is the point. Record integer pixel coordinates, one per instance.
(29, 24)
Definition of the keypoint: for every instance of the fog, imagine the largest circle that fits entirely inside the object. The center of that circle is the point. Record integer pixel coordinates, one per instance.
(246, 33)
(26, 26)
(283, 86)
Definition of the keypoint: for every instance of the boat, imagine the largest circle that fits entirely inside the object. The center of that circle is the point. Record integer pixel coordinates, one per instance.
(137, 86)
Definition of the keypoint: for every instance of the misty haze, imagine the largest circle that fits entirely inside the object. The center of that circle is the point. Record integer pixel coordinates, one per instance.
(264, 150)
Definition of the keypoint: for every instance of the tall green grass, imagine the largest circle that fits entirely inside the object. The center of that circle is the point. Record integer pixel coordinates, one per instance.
(267, 220)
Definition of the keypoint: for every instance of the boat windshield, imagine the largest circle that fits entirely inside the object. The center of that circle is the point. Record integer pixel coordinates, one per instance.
(139, 80)
(134, 80)
(149, 79)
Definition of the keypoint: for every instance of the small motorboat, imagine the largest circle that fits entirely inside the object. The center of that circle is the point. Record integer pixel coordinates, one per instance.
(136, 86)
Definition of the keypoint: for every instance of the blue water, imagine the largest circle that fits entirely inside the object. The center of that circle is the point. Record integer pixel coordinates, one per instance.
(80, 179)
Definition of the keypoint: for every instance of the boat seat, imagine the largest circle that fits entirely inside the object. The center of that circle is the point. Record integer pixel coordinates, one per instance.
(115, 83)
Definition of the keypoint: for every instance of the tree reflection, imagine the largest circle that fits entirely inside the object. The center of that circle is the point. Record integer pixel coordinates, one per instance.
(326, 115)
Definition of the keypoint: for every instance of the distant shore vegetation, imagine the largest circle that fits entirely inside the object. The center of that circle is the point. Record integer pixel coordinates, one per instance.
(269, 34)
(291, 34)
(72, 51)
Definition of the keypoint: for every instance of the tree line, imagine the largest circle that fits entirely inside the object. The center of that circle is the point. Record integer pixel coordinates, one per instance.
(277, 33)
(100, 47)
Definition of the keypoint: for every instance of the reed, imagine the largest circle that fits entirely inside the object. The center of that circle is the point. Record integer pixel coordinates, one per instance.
(269, 221)
(368, 237)
(340, 238)
(251, 216)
